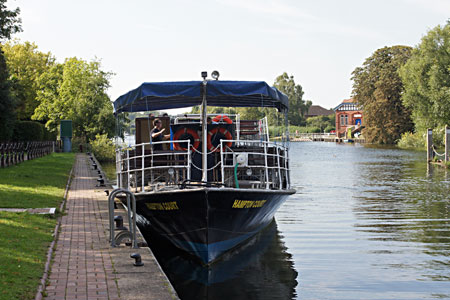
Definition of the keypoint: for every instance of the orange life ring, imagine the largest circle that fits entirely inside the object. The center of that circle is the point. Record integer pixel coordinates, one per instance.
(223, 118)
(214, 131)
(186, 131)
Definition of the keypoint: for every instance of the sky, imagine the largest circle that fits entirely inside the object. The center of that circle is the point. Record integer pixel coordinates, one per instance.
(318, 42)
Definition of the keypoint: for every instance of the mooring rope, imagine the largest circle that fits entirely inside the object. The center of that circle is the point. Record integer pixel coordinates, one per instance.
(437, 154)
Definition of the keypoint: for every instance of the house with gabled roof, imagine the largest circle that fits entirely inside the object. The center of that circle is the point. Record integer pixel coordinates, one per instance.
(349, 118)
(317, 110)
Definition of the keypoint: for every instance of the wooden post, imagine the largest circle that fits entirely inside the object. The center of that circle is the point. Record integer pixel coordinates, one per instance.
(429, 144)
(447, 140)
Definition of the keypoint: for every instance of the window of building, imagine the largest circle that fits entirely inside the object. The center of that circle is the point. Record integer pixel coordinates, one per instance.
(343, 119)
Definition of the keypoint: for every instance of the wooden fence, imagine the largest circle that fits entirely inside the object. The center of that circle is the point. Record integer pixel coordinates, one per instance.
(12, 153)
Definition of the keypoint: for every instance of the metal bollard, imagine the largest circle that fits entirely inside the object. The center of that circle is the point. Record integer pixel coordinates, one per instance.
(119, 223)
(138, 260)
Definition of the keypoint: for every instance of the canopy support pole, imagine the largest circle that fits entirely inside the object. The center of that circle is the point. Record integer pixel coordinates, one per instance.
(286, 123)
(204, 136)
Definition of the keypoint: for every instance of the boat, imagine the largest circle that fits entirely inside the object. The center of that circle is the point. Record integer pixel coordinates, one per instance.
(211, 185)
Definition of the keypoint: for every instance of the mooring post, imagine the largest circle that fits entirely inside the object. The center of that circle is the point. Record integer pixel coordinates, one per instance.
(429, 144)
(447, 137)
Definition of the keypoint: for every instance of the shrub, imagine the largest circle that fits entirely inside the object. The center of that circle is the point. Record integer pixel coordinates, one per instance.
(410, 140)
(103, 148)
(28, 131)
(76, 142)
(48, 135)
(329, 128)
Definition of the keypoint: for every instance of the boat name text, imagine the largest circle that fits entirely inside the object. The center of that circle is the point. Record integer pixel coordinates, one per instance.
(248, 203)
(163, 206)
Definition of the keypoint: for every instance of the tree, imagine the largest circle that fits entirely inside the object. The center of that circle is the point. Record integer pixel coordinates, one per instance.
(377, 88)
(7, 117)
(9, 21)
(9, 24)
(297, 106)
(426, 77)
(25, 65)
(76, 90)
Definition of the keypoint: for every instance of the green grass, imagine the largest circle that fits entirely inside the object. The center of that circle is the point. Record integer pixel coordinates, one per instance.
(25, 238)
(36, 183)
(24, 242)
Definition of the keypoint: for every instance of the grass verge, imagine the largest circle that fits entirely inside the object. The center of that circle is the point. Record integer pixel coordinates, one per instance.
(24, 242)
(25, 238)
(35, 183)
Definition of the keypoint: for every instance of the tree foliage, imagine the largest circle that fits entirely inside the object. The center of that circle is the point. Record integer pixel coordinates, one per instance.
(426, 77)
(377, 87)
(9, 21)
(7, 116)
(297, 106)
(76, 90)
(322, 122)
(25, 65)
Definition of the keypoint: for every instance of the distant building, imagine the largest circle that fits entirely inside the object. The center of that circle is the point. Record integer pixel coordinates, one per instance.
(349, 118)
(317, 110)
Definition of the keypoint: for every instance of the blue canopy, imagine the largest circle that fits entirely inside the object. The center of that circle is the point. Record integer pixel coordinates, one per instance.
(167, 95)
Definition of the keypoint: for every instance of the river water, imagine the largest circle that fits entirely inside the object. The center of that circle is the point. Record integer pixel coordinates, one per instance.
(366, 223)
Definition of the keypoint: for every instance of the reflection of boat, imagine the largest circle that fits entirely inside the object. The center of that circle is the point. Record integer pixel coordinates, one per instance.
(212, 186)
(260, 266)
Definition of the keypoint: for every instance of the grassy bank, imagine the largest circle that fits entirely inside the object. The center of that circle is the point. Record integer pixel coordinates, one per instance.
(35, 183)
(25, 238)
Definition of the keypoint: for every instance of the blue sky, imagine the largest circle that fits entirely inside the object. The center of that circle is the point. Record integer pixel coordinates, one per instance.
(319, 42)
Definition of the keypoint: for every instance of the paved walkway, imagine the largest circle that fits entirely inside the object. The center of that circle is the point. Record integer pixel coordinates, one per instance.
(83, 262)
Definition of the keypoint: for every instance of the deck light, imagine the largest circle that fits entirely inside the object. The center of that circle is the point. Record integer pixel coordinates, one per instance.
(249, 172)
(215, 75)
(204, 75)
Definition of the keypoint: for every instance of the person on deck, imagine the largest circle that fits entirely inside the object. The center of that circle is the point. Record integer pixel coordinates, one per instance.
(157, 134)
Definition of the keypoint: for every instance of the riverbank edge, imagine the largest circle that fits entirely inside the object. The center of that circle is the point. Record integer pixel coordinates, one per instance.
(133, 286)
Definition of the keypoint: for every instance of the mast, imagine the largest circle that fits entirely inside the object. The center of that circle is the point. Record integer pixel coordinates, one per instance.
(204, 134)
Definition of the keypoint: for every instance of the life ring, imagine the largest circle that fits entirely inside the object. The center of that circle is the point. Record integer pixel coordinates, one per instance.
(222, 131)
(191, 135)
(224, 118)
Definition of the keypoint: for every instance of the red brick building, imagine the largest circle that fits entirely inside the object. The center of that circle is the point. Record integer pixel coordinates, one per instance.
(348, 116)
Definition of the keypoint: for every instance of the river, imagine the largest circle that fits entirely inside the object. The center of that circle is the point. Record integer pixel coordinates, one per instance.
(365, 223)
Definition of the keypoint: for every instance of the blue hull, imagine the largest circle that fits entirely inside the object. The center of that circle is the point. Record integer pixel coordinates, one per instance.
(208, 222)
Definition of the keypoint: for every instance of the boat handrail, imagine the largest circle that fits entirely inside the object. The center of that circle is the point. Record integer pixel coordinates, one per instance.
(132, 173)
(143, 168)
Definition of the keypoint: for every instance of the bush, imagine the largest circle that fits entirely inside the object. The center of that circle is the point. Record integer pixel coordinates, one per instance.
(103, 148)
(48, 135)
(76, 142)
(28, 131)
(329, 128)
(412, 141)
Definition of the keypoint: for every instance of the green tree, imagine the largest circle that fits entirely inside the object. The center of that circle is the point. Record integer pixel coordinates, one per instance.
(297, 106)
(377, 87)
(426, 77)
(321, 122)
(9, 24)
(9, 21)
(76, 90)
(7, 116)
(25, 65)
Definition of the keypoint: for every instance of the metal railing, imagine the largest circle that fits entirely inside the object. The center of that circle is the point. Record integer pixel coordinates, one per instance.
(266, 164)
(131, 212)
(12, 153)
(140, 166)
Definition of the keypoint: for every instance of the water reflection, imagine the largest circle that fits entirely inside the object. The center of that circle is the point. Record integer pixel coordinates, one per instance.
(259, 269)
(404, 208)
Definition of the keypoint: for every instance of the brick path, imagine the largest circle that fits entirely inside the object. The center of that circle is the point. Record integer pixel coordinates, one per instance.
(82, 266)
